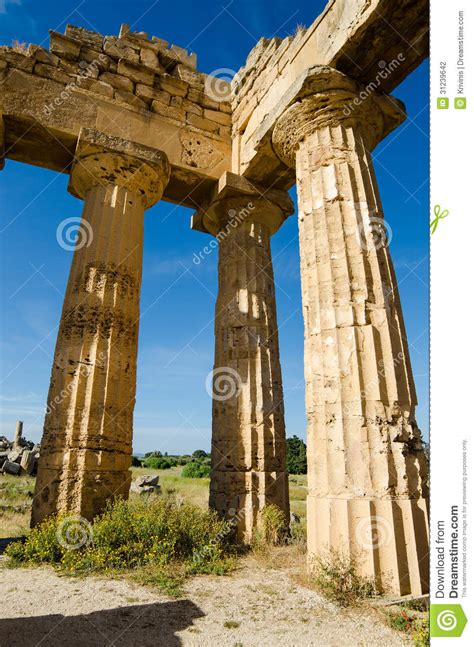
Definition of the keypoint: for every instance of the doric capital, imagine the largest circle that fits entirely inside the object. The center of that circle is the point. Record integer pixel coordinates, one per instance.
(236, 199)
(103, 159)
(330, 98)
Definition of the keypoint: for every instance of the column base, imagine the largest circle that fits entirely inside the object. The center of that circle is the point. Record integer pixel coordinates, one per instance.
(387, 539)
(240, 497)
(79, 491)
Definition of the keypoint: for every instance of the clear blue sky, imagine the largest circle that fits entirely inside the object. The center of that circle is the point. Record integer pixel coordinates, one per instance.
(173, 410)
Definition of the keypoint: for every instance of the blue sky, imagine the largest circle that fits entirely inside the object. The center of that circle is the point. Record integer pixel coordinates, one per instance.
(173, 410)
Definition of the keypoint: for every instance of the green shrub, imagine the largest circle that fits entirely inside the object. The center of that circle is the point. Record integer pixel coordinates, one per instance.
(339, 580)
(159, 462)
(199, 454)
(136, 462)
(133, 534)
(195, 470)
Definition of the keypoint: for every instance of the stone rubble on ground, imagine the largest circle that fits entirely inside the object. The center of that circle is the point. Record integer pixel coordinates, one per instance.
(20, 456)
(146, 484)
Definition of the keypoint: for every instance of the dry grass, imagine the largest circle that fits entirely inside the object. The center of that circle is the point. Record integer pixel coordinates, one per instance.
(16, 492)
(195, 491)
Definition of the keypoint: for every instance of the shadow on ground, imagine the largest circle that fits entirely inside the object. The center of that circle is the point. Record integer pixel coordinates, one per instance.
(4, 541)
(145, 625)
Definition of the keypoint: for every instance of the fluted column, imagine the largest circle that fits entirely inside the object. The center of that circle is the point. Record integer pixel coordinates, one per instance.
(366, 466)
(87, 441)
(248, 428)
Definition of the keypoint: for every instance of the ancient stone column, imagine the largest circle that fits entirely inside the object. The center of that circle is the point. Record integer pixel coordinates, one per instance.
(366, 465)
(18, 434)
(248, 428)
(87, 441)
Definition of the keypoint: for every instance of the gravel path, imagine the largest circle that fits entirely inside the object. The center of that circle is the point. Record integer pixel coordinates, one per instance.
(255, 607)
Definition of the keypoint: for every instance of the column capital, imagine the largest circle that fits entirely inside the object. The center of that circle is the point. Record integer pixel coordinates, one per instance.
(102, 159)
(330, 98)
(236, 199)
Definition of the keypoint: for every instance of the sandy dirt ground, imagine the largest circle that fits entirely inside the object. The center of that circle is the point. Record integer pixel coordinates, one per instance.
(254, 607)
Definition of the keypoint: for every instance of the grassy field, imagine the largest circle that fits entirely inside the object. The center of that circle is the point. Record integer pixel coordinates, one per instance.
(17, 491)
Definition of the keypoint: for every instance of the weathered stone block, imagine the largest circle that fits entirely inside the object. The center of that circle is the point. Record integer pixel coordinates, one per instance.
(42, 55)
(225, 106)
(171, 112)
(201, 123)
(53, 73)
(150, 58)
(100, 87)
(217, 116)
(64, 46)
(117, 81)
(185, 73)
(128, 97)
(188, 59)
(11, 468)
(136, 72)
(15, 59)
(91, 38)
(176, 87)
(95, 58)
(200, 97)
(147, 93)
(28, 462)
(113, 47)
(73, 68)
(189, 106)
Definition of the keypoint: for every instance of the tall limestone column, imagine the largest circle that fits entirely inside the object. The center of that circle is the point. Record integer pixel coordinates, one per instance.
(366, 466)
(87, 441)
(248, 428)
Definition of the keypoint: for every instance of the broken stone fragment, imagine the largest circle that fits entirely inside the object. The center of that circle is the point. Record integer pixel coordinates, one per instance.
(145, 484)
(11, 468)
(64, 46)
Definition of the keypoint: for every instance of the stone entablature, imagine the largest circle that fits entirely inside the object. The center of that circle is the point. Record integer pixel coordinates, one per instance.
(142, 90)
(348, 36)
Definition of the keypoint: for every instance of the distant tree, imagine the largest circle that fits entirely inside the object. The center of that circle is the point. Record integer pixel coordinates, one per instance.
(295, 456)
(136, 462)
(196, 470)
(199, 454)
(155, 453)
(158, 463)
